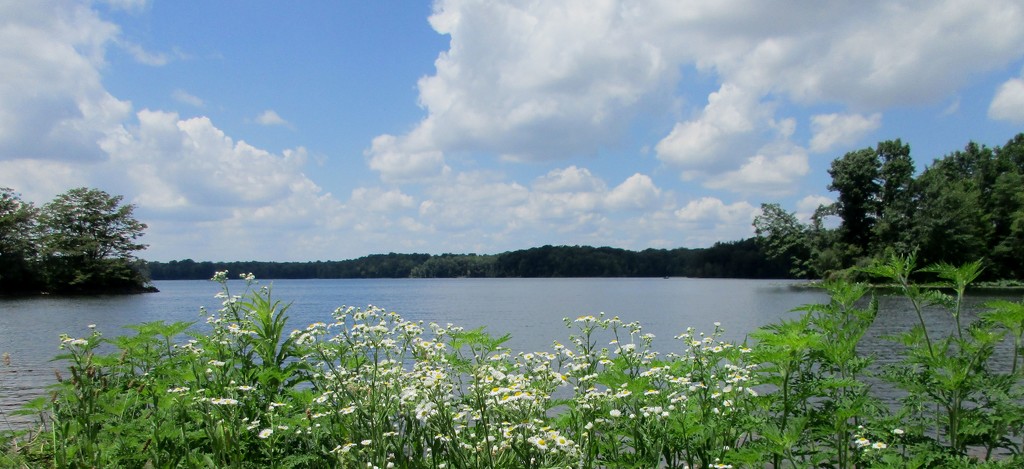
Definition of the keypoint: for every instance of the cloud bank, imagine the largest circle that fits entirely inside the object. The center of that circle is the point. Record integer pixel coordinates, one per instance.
(736, 99)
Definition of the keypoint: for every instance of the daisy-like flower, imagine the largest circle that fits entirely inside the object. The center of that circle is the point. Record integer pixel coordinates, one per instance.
(266, 432)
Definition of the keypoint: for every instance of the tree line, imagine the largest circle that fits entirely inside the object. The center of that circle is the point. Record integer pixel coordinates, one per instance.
(966, 206)
(739, 259)
(81, 242)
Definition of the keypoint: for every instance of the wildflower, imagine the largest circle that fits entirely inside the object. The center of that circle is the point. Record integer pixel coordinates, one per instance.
(178, 390)
(65, 340)
(615, 413)
(897, 431)
(223, 401)
(366, 442)
(265, 433)
(344, 449)
(879, 445)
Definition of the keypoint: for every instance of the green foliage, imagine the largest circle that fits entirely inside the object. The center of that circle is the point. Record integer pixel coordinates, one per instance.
(17, 243)
(81, 242)
(740, 259)
(782, 236)
(955, 397)
(88, 240)
(371, 389)
(855, 177)
(967, 205)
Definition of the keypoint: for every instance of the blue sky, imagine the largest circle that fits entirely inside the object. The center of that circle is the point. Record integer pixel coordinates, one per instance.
(332, 130)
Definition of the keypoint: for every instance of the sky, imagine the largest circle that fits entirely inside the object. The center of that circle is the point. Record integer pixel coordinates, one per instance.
(330, 130)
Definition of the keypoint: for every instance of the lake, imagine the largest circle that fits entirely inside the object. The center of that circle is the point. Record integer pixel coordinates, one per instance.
(531, 310)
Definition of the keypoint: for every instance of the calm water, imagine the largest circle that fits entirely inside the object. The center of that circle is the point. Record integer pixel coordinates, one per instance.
(531, 310)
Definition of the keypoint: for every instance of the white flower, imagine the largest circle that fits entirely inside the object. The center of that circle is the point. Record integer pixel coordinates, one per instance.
(615, 413)
(266, 432)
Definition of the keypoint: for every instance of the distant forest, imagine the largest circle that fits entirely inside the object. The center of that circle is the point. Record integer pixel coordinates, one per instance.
(739, 259)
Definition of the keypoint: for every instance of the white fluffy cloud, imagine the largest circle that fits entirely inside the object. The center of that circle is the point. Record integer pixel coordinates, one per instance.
(537, 81)
(806, 206)
(269, 118)
(548, 80)
(398, 160)
(52, 102)
(720, 81)
(711, 219)
(380, 200)
(835, 130)
(724, 130)
(1008, 104)
(185, 97)
(636, 192)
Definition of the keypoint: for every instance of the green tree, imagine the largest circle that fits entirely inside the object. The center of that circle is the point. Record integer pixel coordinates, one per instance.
(950, 223)
(782, 236)
(895, 208)
(856, 177)
(88, 240)
(1007, 210)
(17, 244)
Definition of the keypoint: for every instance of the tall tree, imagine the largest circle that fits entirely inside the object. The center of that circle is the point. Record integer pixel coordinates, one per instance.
(855, 176)
(1007, 210)
(17, 247)
(88, 242)
(894, 209)
(950, 224)
(782, 236)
